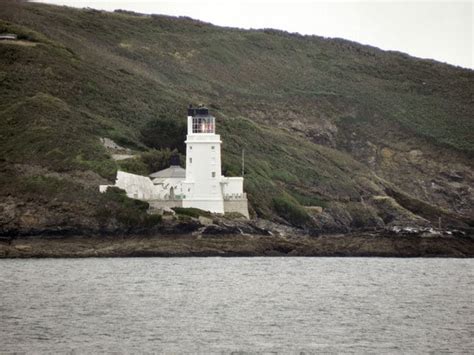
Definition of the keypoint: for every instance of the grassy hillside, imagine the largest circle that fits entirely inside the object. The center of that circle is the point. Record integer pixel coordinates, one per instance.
(324, 122)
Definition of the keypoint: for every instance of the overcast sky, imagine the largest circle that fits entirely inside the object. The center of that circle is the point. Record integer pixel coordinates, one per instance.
(441, 30)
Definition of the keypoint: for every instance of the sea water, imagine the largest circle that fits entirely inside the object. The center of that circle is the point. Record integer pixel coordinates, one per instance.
(376, 305)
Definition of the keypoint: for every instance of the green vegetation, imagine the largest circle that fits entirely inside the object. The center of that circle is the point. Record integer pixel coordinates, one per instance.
(22, 32)
(148, 162)
(291, 211)
(362, 215)
(129, 212)
(42, 187)
(234, 215)
(312, 114)
(116, 194)
(79, 206)
(165, 132)
(133, 166)
(191, 212)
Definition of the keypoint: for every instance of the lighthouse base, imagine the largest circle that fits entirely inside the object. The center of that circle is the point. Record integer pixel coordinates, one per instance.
(239, 206)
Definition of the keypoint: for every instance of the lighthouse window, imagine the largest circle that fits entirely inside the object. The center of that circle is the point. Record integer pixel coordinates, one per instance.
(205, 124)
(190, 147)
(190, 160)
(212, 147)
(213, 174)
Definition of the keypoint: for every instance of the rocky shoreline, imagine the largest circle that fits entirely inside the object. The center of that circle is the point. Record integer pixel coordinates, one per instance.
(218, 236)
(232, 245)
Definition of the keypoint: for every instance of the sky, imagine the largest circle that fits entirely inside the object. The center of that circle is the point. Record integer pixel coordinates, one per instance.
(440, 30)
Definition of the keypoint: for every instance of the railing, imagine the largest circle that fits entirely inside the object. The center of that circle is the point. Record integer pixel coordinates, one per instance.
(175, 197)
(235, 197)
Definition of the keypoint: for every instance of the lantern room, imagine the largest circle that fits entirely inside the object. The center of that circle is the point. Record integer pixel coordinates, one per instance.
(199, 121)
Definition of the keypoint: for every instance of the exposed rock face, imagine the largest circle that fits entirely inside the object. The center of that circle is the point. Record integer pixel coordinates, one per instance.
(433, 174)
(393, 214)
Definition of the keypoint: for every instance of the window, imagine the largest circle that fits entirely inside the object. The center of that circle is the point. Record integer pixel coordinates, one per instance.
(212, 147)
(203, 124)
(190, 160)
(190, 147)
(213, 174)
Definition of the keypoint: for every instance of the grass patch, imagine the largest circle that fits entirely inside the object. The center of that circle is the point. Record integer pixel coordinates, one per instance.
(291, 211)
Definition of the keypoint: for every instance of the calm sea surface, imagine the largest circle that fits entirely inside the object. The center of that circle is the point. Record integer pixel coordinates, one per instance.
(237, 304)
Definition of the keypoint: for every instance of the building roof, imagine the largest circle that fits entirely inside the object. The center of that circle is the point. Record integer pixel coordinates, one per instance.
(174, 171)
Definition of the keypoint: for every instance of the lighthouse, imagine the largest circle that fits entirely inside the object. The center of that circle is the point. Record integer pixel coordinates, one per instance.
(203, 184)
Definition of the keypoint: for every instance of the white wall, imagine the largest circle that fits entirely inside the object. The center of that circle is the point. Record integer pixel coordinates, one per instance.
(136, 186)
(163, 187)
(233, 187)
(240, 206)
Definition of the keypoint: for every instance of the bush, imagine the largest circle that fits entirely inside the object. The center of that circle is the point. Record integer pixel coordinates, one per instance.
(165, 132)
(148, 162)
(152, 220)
(291, 211)
(129, 212)
(116, 194)
(191, 212)
(133, 166)
(156, 160)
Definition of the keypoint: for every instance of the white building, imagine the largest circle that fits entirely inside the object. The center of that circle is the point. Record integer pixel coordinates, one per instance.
(201, 185)
(169, 181)
(137, 186)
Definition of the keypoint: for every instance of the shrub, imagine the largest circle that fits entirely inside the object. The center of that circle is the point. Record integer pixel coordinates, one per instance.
(152, 220)
(156, 160)
(165, 132)
(133, 166)
(129, 212)
(291, 211)
(116, 194)
(191, 212)
(148, 162)
(363, 216)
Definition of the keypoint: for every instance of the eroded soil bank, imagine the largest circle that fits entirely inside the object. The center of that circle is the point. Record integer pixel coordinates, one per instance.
(186, 245)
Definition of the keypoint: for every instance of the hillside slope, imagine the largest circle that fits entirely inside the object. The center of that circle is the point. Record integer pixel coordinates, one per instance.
(375, 138)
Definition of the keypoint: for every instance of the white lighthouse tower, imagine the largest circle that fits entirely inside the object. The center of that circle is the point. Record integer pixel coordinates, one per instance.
(202, 187)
